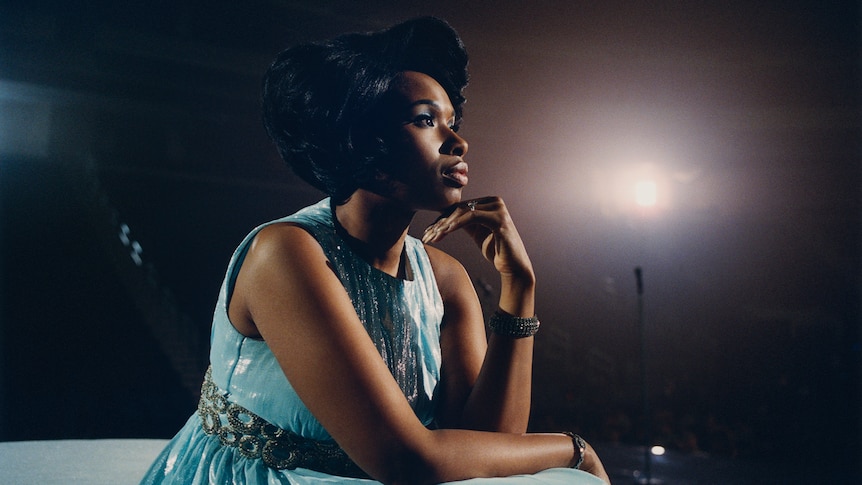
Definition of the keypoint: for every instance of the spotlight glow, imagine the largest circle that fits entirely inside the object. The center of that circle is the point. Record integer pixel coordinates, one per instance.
(646, 193)
(634, 189)
(657, 450)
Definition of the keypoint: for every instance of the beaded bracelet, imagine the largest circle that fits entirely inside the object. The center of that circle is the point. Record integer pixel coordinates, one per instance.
(580, 448)
(502, 323)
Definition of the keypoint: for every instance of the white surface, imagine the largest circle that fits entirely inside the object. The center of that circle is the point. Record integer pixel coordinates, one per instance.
(90, 462)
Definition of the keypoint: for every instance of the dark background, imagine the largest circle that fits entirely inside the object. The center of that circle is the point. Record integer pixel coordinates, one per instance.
(132, 161)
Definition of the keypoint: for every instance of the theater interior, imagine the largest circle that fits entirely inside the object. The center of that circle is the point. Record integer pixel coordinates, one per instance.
(714, 146)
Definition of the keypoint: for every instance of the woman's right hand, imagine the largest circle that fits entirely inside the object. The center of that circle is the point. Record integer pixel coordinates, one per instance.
(489, 224)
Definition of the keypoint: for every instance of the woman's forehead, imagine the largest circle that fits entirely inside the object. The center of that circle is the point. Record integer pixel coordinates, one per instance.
(419, 88)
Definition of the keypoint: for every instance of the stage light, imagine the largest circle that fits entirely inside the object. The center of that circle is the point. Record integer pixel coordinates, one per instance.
(632, 190)
(657, 450)
(646, 193)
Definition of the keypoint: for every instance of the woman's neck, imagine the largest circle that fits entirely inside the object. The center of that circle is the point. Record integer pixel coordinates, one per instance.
(376, 228)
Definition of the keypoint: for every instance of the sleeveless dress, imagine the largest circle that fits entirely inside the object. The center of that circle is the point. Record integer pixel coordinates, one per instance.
(251, 427)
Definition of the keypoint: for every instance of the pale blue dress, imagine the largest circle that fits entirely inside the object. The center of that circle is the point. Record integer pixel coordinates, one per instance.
(402, 317)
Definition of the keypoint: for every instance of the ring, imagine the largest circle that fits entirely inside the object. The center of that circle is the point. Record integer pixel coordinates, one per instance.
(471, 205)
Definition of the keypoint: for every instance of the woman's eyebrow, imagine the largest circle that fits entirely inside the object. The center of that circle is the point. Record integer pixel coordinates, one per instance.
(429, 102)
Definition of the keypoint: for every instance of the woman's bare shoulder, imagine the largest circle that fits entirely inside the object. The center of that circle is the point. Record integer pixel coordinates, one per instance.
(283, 243)
(279, 236)
(443, 264)
(452, 278)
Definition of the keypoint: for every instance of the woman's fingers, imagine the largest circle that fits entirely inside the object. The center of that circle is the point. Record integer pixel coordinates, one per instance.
(487, 221)
(474, 211)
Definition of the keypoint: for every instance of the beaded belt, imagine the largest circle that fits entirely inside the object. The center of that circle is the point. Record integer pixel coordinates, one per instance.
(254, 437)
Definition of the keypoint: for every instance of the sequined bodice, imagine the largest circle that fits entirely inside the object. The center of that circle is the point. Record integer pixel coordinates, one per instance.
(402, 318)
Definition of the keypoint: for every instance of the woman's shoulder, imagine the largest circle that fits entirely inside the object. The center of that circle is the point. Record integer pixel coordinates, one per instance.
(448, 271)
(302, 227)
(281, 238)
(442, 260)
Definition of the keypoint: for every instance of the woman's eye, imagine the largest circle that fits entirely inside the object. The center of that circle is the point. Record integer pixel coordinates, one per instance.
(424, 120)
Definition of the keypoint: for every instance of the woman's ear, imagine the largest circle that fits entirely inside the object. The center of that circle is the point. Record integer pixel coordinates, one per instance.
(382, 178)
(382, 182)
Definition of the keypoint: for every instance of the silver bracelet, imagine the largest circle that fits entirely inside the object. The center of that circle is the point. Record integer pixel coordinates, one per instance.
(580, 448)
(507, 325)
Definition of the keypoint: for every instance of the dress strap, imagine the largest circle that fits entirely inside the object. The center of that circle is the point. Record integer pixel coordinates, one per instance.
(256, 438)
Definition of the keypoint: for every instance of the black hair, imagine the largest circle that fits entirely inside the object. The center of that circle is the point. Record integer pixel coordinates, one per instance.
(320, 99)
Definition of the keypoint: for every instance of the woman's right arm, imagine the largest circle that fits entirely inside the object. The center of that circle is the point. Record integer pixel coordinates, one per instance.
(288, 293)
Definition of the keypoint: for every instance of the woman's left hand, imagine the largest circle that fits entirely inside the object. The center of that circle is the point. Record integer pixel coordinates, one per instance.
(489, 224)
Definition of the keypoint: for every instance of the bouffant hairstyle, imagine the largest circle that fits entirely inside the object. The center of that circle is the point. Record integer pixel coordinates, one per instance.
(322, 100)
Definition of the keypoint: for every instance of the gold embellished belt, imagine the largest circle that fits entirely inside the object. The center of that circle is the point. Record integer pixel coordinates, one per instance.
(256, 438)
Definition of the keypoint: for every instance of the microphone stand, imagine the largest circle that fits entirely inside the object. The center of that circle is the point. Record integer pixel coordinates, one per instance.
(644, 388)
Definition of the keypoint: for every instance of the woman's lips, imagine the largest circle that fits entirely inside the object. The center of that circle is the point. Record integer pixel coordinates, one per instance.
(457, 174)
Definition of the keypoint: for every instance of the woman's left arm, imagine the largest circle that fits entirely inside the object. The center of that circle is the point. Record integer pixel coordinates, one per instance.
(487, 382)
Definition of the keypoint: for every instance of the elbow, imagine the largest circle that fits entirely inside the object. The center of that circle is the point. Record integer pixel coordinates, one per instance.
(405, 471)
(409, 465)
(407, 468)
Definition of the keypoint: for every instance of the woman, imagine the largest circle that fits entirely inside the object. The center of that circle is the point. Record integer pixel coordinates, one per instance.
(344, 350)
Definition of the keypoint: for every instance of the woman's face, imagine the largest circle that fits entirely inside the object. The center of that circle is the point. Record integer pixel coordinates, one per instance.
(426, 169)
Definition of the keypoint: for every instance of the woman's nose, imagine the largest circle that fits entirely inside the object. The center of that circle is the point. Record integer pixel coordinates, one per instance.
(455, 145)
